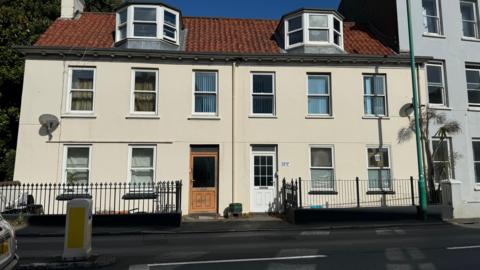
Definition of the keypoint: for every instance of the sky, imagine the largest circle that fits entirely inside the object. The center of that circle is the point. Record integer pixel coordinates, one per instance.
(261, 9)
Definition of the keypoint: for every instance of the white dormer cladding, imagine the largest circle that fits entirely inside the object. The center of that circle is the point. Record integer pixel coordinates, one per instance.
(148, 22)
(313, 28)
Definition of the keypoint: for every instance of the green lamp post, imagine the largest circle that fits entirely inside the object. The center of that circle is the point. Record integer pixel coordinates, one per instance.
(416, 108)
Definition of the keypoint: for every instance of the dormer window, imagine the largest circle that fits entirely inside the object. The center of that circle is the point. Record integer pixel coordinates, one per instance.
(148, 22)
(313, 28)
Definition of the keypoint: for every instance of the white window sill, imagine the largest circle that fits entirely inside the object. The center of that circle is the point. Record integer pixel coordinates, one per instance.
(470, 39)
(263, 116)
(203, 117)
(439, 107)
(86, 116)
(473, 109)
(477, 187)
(140, 116)
(433, 35)
(375, 117)
(319, 117)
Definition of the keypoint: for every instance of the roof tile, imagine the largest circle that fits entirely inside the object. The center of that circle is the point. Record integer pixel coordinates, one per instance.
(216, 35)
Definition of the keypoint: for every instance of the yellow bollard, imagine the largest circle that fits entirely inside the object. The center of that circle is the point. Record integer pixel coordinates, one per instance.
(78, 230)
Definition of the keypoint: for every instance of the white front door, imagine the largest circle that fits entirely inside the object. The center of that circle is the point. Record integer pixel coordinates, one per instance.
(263, 182)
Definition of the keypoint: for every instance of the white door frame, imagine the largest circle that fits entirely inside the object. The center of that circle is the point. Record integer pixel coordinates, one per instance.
(273, 188)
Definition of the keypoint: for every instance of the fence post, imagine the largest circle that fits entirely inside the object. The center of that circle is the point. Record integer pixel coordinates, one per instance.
(178, 194)
(412, 190)
(284, 194)
(357, 184)
(300, 194)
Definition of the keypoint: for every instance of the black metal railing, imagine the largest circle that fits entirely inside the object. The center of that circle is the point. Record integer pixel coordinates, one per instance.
(107, 198)
(353, 193)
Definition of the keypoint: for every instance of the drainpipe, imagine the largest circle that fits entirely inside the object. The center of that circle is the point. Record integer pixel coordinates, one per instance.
(234, 64)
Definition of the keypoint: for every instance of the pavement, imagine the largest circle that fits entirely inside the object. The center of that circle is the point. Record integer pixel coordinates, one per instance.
(208, 224)
(415, 246)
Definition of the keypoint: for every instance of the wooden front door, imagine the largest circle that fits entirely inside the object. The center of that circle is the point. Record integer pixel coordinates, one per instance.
(203, 182)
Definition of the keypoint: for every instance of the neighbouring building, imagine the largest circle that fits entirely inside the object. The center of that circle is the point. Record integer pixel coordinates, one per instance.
(447, 31)
(230, 106)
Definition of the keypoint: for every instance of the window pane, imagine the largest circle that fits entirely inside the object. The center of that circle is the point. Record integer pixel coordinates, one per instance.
(82, 79)
(263, 104)
(205, 103)
(321, 157)
(379, 179)
(123, 16)
(295, 38)
(295, 23)
(336, 25)
(262, 83)
(318, 85)
(468, 11)
(318, 21)
(435, 95)
(204, 172)
(205, 82)
(378, 158)
(477, 172)
(318, 105)
(440, 150)
(144, 30)
(141, 178)
(374, 105)
(145, 14)
(169, 31)
(434, 74)
(145, 81)
(473, 76)
(469, 29)
(77, 157)
(368, 85)
(145, 102)
(142, 158)
(322, 179)
(123, 31)
(318, 35)
(379, 87)
(77, 176)
(433, 25)
(336, 39)
(82, 101)
(441, 171)
(170, 18)
(430, 7)
(474, 97)
(476, 151)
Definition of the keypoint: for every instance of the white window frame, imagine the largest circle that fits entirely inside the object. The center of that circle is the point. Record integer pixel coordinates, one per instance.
(156, 22)
(474, 4)
(160, 22)
(70, 90)
(203, 93)
(119, 24)
(475, 105)
(389, 151)
(273, 94)
(175, 39)
(329, 94)
(438, 17)
(306, 30)
(448, 140)
(440, 64)
(329, 28)
(133, 91)
(385, 94)
(65, 157)
(332, 149)
(130, 169)
(475, 140)
(288, 33)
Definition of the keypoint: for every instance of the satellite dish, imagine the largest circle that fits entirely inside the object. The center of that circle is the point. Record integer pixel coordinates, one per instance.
(406, 110)
(49, 123)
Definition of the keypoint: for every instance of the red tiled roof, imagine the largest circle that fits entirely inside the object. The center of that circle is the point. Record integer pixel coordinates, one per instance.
(218, 35)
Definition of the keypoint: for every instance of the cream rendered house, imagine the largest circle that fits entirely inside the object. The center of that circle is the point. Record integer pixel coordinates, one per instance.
(230, 106)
